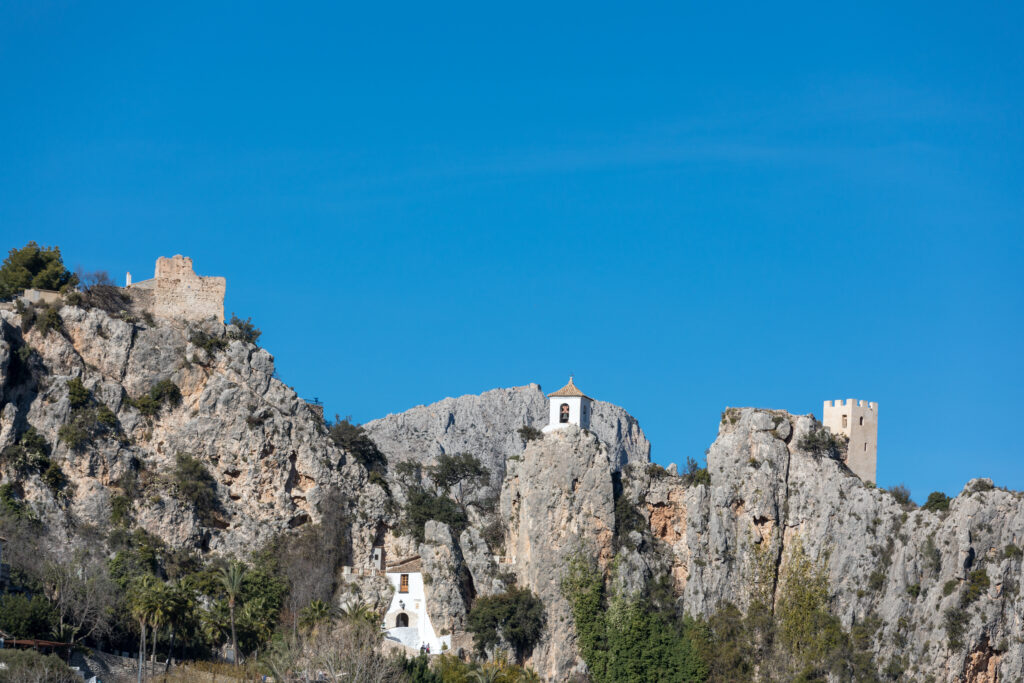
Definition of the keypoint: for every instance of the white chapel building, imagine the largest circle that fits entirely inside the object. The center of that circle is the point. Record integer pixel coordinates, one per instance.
(407, 620)
(568, 406)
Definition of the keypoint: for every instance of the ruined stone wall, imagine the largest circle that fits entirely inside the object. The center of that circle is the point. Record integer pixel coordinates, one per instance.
(176, 292)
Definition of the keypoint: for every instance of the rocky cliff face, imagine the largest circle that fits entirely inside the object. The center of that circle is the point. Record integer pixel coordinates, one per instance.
(905, 571)
(940, 589)
(269, 454)
(488, 427)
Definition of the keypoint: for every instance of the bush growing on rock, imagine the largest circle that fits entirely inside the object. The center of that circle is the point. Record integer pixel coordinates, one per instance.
(530, 433)
(164, 392)
(937, 502)
(353, 439)
(822, 443)
(244, 330)
(422, 506)
(194, 484)
(515, 617)
(97, 290)
(695, 475)
(902, 495)
(49, 321)
(29, 666)
(207, 342)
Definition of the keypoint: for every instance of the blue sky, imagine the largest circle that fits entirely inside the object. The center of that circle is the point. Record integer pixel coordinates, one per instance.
(688, 208)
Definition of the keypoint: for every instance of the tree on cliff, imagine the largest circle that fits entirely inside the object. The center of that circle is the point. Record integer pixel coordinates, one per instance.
(33, 266)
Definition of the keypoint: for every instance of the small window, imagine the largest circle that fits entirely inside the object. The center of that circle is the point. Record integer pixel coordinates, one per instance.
(865, 445)
(563, 413)
(844, 422)
(403, 584)
(862, 421)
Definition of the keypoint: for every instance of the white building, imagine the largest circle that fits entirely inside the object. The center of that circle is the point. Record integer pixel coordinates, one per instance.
(568, 406)
(407, 620)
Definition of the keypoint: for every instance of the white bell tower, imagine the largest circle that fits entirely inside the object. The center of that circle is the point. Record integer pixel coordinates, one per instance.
(568, 406)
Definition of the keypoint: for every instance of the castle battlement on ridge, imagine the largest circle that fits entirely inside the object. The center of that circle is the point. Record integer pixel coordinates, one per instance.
(858, 421)
(851, 402)
(176, 292)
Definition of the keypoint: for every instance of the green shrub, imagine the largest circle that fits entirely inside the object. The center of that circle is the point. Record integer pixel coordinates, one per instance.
(354, 440)
(54, 477)
(981, 485)
(914, 590)
(901, 493)
(950, 586)
(99, 291)
(1011, 551)
(244, 330)
(955, 620)
(162, 393)
(493, 534)
(515, 617)
(937, 502)
(78, 395)
(876, 581)
(977, 584)
(26, 617)
(74, 435)
(207, 342)
(49, 321)
(422, 506)
(11, 502)
(823, 443)
(88, 424)
(29, 454)
(194, 484)
(29, 665)
(695, 475)
(656, 471)
(530, 433)
(121, 511)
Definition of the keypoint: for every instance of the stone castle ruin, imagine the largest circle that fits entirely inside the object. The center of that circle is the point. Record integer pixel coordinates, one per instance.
(175, 291)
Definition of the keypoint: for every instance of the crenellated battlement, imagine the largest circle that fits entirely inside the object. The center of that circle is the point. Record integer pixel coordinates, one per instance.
(850, 402)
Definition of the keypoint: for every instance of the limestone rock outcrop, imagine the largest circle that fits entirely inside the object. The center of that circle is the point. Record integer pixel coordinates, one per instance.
(558, 501)
(487, 425)
(270, 455)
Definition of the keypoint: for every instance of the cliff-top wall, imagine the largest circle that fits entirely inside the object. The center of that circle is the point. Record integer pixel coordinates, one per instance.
(175, 292)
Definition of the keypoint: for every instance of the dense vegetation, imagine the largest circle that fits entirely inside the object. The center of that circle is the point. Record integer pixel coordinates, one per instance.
(631, 637)
(642, 638)
(514, 618)
(36, 267)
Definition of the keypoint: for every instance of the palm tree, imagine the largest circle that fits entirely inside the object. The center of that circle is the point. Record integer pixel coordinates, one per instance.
(529, 676)
(361, 612)
(141, 606)
(488, 673)
(315, 613)
(231, 580)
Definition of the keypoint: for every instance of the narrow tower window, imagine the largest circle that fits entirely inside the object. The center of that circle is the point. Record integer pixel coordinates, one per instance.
(844, 422)
(862, 421)
(563, 413)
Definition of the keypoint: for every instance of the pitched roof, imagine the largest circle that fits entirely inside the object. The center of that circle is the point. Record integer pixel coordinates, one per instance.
(569, 390)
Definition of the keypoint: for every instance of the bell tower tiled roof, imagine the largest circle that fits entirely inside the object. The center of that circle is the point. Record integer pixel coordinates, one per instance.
(569, 390)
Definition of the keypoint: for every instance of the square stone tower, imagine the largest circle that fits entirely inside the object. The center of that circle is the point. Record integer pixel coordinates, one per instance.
(857, 420)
